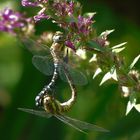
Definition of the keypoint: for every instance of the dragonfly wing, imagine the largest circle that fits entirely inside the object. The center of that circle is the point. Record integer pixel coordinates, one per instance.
(80, 125)
(34, 47)
(77, 77)
(36, 112)
(64, 120)
(43, 64)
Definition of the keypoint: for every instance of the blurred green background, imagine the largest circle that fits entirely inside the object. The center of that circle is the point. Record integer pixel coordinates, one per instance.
(20, 82)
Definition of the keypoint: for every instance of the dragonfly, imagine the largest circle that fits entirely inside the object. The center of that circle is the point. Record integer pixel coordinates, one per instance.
(50, 61)
(53, 107)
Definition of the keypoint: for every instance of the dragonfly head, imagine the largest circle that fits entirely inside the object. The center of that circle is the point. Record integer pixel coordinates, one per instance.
(48, 99)
(50, 104)
(40, 100)
(58, 37)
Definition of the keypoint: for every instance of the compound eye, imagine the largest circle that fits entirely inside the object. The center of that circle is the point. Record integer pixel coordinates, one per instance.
(47, 100)
(58, 38)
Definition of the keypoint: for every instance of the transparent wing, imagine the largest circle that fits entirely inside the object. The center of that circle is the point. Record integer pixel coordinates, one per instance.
(34, 47)
(78, 78)
(80, 125)
(42, 58)
(36, 112)
(44, 64)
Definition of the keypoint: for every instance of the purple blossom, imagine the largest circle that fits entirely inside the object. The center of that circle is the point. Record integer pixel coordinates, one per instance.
(84, 25)
(61, 8)
(28, 3)
(64, 8)
(38, 3)
(10, 20)
(70, 45)
(33, 4)
(40, 16)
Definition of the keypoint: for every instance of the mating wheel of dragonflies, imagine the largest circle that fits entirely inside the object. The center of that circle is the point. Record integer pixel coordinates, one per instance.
(51, 106)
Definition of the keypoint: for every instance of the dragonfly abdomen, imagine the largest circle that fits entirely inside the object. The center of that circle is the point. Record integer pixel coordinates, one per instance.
(68, 104)
(48, 88)
(54, 78)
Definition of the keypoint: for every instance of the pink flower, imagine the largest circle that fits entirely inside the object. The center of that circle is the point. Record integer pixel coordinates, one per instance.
(64, 8)
(33, 4)
(10, 20)
(70, 45)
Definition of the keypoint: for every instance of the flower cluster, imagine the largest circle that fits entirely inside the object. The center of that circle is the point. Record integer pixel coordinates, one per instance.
(64, 8)
(109, 61)
(50, 10)
(83, 25)
(10, 20)
(68, 15)
(39, 3)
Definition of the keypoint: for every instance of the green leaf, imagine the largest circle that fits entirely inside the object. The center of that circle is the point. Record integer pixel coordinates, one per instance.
(107, 32)
(109, 75)
(114, 75)
(134, 62)
(93, 58)
(137, 107)
(119, 45)
(106, 77)
(95, 45)
(118, 48)
(129, 107)
(89, 15)
(97, 72)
